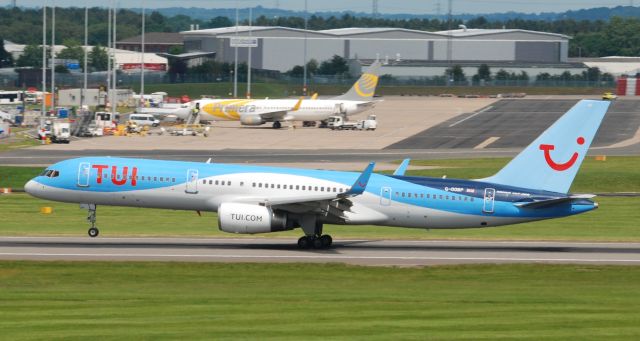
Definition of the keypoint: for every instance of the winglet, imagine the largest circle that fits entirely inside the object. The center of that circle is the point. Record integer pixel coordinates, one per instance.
(362, 181)
(402, 168)
(297, 106)
(315, 96)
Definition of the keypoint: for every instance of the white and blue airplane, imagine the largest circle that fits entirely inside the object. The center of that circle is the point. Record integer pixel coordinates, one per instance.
(257, 199)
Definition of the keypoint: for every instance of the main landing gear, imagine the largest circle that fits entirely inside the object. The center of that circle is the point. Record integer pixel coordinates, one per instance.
(313, 234)
(277, 125)
(93, 230)
(317, 242)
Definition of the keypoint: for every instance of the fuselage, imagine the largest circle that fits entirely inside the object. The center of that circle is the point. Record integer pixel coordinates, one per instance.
(309, 110)
(417, 202)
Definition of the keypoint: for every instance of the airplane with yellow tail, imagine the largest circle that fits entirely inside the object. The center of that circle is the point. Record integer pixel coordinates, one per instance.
(255, 112)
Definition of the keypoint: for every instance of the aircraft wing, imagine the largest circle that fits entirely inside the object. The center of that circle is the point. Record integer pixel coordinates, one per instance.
(278, 115)
(323, 203)
(551, 201)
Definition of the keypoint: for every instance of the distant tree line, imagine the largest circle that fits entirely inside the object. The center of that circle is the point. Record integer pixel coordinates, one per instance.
(618, 36)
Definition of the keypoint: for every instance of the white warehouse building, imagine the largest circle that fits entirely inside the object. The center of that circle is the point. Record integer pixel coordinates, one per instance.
(281, 48)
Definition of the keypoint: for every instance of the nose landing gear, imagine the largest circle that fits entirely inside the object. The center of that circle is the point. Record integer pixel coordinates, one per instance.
(91, 217)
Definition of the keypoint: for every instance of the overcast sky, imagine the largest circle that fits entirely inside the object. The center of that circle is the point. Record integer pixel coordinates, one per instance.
(384, 6)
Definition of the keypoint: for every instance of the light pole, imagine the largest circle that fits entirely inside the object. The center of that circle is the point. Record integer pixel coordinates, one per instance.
(249, 56)
(53, 56)
(86, 44)
(115, 73)
(108, 94)
(44, 64)
(142, 57)
(304, 64)
(235, 64)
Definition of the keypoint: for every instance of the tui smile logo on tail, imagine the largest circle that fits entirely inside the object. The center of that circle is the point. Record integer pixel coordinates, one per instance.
(547, 148)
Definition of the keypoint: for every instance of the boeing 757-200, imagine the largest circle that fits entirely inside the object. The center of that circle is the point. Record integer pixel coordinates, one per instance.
(257, 199)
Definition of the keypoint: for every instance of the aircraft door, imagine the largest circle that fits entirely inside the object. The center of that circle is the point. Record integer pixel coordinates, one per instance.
(84, 170)
(489, 200)
(192, 181)
(385, 196)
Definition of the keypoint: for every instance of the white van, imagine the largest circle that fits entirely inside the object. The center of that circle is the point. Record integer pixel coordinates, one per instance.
(144, 120)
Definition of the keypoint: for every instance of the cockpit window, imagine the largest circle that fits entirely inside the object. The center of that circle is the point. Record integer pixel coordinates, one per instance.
(50, 173)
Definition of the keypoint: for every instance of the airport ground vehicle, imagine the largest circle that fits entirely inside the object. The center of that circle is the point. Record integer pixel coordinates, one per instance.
(255, 199)
(609, 96)
(58, 131)
(339, 123)
(144, 120)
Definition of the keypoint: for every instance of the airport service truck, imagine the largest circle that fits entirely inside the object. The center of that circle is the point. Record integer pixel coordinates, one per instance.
(339, 123)
(57, 131)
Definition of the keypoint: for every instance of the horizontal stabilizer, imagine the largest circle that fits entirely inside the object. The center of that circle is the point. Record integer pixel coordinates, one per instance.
(551, 201)
(402, 168)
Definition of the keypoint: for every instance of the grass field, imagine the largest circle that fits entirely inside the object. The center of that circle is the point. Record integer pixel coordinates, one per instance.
(617, 174)
(17, 141)
(615, 220)
(98, 300)
(275, 90)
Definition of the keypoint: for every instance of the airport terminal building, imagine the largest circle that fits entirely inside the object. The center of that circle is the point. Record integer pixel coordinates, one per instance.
(421, 53)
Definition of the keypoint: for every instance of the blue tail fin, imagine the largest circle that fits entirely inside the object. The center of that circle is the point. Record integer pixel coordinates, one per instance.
(551, 162)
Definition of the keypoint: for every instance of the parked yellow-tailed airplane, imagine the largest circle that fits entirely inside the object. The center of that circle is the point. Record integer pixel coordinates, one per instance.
(257, 112)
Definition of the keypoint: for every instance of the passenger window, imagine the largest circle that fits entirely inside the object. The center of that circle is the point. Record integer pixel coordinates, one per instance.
(228, 183)
(173, 179)
(155, 178)
(440, 196)
(304, 188)
(428, 196)
(278, 186)
(241, 183)
(297, 187)
(409, 195)
(253, 184)
(403, 194)
(210, 182)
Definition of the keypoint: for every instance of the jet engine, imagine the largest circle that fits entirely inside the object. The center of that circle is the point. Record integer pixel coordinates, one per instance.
(251, 120)
(250, 219)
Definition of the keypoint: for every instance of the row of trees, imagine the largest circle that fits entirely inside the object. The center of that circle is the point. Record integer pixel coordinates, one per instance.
(618, 36)
(484, 74)
(32, 56)
(336, 66)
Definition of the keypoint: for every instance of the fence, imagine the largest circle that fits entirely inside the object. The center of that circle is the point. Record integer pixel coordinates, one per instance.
(129, 80)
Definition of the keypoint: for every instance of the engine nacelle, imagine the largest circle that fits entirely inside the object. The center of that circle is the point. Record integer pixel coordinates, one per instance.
(250, 219)
(251, 120)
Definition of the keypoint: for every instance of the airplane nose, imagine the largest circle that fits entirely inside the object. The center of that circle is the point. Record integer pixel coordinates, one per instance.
(30, 187)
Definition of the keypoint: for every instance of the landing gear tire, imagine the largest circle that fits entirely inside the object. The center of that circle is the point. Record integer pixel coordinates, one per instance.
(317, 243)
(277, 125)
(304, 242)
(326, 240)
(93, 232)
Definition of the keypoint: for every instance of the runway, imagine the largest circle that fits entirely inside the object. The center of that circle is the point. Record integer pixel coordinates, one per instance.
(517, 122)
(357, 252)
